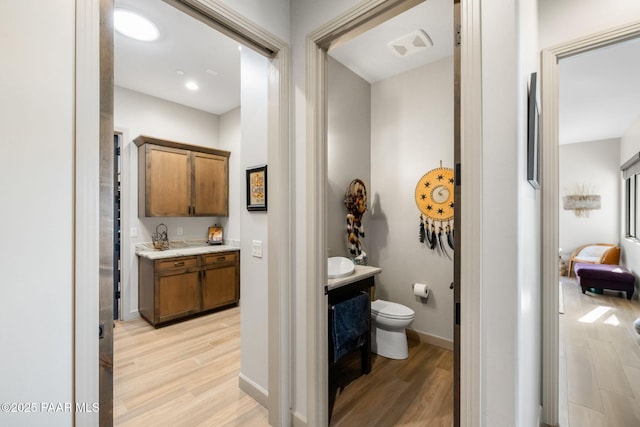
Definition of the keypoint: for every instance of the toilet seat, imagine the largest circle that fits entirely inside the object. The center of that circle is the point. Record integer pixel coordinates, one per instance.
(391, 310)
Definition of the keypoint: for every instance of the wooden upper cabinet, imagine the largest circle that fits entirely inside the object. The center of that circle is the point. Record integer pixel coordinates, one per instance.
(176, 179)
(210, 185)
(168, 181)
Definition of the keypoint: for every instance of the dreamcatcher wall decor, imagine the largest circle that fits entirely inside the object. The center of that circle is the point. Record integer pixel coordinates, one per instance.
(434, 198)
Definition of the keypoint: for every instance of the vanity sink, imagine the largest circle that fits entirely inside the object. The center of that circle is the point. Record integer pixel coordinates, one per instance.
(340, 267)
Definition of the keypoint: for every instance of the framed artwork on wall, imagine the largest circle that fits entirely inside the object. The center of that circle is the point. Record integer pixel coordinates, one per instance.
(257, 188)
(533, 135)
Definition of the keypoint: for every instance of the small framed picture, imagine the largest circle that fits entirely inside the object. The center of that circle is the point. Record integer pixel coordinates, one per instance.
(257, 188)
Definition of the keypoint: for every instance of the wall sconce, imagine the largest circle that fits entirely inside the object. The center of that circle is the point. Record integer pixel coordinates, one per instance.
(581, 202)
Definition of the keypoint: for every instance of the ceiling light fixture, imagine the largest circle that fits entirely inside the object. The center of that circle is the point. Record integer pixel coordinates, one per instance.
(410, 44)
(191, 85)
(135, 26)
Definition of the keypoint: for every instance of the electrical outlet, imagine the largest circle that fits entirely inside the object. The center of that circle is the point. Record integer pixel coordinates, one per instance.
(179, 231)
(256, 248)
(134, 232)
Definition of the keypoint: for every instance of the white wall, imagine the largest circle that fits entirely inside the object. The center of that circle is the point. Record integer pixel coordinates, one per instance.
(272, 15)
(348, 151)
(596, 165)
(630, 254)
(229, 132)
(253, 271)
(36, 168)
(562, 21)
(411, 133)
(139, 114)
(510, 220)
(499, 213)
(529, 245)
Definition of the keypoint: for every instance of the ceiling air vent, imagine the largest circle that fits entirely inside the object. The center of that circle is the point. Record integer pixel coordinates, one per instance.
(410, 44)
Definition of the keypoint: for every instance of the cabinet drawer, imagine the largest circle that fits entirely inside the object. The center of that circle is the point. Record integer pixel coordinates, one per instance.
(217, 258)
(174, 263)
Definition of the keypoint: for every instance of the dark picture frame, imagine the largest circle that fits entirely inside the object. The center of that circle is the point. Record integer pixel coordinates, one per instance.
(257, 188)
(533, 134)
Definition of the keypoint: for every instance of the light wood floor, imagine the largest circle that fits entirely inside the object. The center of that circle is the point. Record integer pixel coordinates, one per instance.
(182, 375)
(417, 391)
(599, 360)
(187, 375)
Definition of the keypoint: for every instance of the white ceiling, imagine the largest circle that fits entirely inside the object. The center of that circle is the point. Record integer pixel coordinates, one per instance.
(599, 90)
(370, 56)
(599, 93)
(184, 44)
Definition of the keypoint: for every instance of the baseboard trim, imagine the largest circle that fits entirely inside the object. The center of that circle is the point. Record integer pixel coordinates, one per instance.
(412, 334)
(298, 420)
(254, 390)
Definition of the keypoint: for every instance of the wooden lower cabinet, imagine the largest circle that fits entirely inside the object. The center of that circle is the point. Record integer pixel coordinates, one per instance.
(177, 295)
(170, 289)
(219, 276)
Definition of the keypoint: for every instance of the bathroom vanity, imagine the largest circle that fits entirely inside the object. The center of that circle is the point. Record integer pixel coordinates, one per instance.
(186, 280)
(344, 288)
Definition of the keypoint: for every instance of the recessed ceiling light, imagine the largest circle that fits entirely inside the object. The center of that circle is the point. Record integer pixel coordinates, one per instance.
(191, 85)
(134, 25)
(180, 72)
(212, 72)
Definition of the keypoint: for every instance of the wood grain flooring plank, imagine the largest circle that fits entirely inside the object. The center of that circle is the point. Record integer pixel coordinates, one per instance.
(582, 382)
(633, 375)
(415, 391)
(621, 411)
(579, 416)
(608, 369)
(184, 374)
(603, 378)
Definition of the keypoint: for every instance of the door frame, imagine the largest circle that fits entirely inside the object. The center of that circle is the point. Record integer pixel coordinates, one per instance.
(94, 121)
(550, 58)
(344, 27)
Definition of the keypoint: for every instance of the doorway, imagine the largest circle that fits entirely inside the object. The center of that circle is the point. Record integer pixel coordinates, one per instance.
(550, 200)
(332, 35)
(218, 16)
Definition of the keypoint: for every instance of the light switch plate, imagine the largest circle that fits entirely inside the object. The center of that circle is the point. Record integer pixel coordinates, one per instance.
(179, 231)
(256, 248)
(134, 232)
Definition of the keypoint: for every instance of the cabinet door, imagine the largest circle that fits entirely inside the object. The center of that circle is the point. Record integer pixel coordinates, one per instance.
(210, 185)
(178, 295)
(220, 286)
(168, 181)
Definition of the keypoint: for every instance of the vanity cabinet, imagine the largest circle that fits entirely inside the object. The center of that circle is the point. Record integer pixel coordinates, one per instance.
(170, 289)
(176, 179)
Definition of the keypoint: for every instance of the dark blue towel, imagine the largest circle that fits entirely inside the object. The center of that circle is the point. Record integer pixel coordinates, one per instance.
(350, 324)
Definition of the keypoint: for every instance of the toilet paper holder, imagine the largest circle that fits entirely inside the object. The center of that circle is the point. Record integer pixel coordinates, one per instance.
(421, 290)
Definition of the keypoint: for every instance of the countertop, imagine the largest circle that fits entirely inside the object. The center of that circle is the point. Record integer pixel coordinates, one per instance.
(181, 248)
(361, 272)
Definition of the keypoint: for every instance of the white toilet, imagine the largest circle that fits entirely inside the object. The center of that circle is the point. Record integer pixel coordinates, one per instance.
(388, 336)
